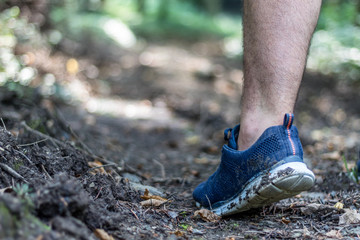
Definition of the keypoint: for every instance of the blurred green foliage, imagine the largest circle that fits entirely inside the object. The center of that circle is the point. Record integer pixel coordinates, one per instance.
(175, 19)
(149, 19)
(13, 30)
(335, 46)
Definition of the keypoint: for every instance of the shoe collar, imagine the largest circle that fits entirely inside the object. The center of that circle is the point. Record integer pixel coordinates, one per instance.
(231, 135)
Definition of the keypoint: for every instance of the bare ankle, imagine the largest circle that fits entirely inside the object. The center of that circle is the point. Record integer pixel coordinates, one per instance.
(252, 127)
(247, 138)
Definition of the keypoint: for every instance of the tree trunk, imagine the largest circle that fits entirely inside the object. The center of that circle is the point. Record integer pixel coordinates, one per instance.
(212, 6)
(163, 10)
(140, 7)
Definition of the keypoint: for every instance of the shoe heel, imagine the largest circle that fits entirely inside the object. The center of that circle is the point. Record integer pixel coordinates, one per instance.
(292, 177)
(282, 182)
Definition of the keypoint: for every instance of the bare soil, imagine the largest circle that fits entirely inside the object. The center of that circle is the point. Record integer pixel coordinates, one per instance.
(152, 118)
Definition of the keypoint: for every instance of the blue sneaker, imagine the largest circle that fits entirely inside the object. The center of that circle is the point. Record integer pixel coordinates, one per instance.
(270, 170)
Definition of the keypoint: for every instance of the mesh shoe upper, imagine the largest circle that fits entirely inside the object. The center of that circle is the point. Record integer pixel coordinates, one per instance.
(237, 168)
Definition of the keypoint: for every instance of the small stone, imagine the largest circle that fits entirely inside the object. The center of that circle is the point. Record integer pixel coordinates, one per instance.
(141, 188)
(349, 217)
(197, 231)
(331, 155)
(132, 177)
(173, 214)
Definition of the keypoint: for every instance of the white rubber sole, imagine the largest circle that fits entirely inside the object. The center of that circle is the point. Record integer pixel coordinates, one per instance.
(282, 182)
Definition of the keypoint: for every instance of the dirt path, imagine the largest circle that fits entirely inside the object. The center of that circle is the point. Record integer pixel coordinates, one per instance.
(158, 115)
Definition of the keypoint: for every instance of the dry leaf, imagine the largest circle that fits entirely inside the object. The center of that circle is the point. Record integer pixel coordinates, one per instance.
(98, 167)
(178, 233)
(72, 66)
(40, 237)
(286, 221)
(207, 215)
(350, 216)
(230, 238)
(339, 205)
(192, 140)
(195, 173)
(102, 235)
(147, 196)
(306, 232)
(334, 234)
(152, 203)
(202, 160)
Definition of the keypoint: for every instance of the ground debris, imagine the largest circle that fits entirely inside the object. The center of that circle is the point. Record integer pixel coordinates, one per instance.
(142, 188)
(339, 205)
(207, 215)
(12, 172)
(152, 200)
(6, 190)
(102, 235)
(334, 234)
(331, 156)
(65, 200)
(284, 220)
(152, 203)
(306, 233)
(63, 196)
(350, 216)
(195, 231)
(314, 208)
(73, 228)
(96, 167)
(178, 233)
(148, 196)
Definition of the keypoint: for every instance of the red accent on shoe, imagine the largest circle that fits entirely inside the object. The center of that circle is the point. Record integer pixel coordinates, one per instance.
(288, 131)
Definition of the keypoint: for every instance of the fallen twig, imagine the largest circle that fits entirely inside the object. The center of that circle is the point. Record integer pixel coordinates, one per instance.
(98, 193)
(106, 165)
(62, 121)
(162, 168)
(54, 141)
(22, 154)
(58, 143)
(12, 172)
(3, 124)
(84, 148)
(46, 172)
(316, 229)
(135, 214)
(33, 143)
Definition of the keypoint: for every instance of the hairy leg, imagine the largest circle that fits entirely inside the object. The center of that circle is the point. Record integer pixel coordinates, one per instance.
(277, 35)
